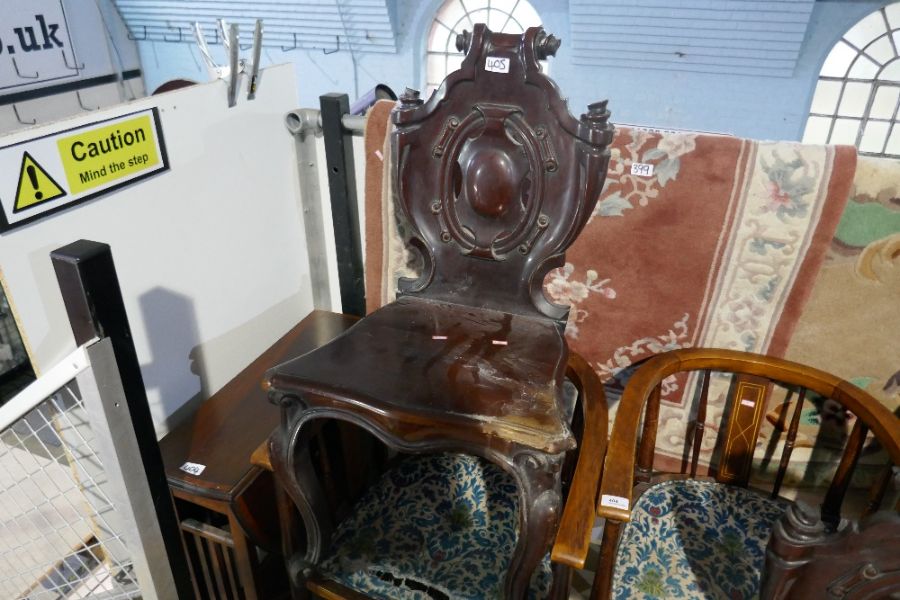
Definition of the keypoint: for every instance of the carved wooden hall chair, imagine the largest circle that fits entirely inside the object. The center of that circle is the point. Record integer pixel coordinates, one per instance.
(688, 530)
(495, 179)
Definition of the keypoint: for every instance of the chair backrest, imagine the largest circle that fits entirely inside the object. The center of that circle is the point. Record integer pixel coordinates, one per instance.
(630, 457)
(494, 175)
(743, 414)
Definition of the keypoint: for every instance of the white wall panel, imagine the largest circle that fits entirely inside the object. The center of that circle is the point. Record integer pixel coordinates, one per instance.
(211, 255)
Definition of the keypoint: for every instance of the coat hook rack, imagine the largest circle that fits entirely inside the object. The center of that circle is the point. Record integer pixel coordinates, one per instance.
(19, 117)
(76, 67)
(236, 65)
(294, 47)
(180, 35)
(134, 38)
(81, 102)
(23, 75)
(338, 49)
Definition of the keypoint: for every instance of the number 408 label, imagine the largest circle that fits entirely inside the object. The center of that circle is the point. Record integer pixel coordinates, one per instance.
(496, 64)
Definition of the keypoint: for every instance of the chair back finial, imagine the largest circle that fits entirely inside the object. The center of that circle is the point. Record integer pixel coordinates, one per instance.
(495, 177)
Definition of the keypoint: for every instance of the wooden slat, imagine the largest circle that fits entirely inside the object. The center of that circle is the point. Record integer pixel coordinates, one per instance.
(232, 579)
(215, 559)
(208, 532)
(648, 438)
(601, 589)
(878, 490)
(203, 559)
(700, 422)
(834, 497)
(789, 442)
(748, 406)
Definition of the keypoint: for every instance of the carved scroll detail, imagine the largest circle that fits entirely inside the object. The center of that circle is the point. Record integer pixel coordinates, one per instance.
(449, 127)
(514, 216)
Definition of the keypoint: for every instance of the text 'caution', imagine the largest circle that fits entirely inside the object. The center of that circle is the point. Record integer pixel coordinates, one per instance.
(77, 164)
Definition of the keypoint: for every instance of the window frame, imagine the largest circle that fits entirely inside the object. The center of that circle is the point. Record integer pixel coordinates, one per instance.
(875, 82)
(465, 21)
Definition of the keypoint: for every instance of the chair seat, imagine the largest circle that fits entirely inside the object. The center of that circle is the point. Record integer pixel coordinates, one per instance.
(437, 526)
(464, 369)
(695, 539)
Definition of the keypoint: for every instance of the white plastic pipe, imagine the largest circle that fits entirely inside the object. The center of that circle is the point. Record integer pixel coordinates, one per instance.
(59, 375)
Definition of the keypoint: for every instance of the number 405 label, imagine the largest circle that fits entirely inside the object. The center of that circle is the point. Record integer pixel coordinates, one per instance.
(496, 64)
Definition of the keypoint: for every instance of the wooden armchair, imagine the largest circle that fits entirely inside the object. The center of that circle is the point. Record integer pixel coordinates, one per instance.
(701, 530)
(495, 179)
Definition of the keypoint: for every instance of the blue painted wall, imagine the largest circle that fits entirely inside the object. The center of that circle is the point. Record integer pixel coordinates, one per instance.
(745, 105)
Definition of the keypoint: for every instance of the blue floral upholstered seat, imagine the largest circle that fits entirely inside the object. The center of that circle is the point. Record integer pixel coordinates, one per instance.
(437, 526)
(695, 539)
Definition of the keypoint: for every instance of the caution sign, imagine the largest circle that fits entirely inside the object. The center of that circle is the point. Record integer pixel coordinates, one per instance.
(41, 176)
(35, 185)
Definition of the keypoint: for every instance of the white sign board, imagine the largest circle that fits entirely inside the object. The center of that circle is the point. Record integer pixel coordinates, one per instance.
(49, 173)
(205, 289)
(35, 46)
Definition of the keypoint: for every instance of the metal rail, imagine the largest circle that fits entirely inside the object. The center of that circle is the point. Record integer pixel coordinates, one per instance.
(305, 124)
(74, 520)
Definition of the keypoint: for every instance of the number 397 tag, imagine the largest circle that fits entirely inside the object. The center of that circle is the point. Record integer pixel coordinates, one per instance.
(496, 64)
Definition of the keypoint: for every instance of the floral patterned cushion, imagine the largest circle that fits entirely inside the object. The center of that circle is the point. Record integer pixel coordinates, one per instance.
(438, 526)
(695, 539)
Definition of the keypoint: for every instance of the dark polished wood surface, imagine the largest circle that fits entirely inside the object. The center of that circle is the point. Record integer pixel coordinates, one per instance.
(230, 425)
(495, 176)
(860, 561)
(493, 371)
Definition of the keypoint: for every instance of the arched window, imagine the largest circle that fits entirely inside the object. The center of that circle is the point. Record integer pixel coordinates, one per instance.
(858, 92)
(501, 16)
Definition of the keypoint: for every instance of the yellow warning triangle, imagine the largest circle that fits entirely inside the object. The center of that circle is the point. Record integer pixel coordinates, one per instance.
(35, 185)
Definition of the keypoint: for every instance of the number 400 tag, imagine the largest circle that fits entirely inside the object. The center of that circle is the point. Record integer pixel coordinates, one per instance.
(194, 469)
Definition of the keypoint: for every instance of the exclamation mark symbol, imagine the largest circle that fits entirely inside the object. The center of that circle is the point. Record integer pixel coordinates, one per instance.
(32, 176)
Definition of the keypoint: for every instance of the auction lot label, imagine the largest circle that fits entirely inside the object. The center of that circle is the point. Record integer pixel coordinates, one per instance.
(53, 172)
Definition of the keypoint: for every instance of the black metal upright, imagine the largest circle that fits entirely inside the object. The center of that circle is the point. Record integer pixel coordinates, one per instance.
(90, 290)
(344, 206)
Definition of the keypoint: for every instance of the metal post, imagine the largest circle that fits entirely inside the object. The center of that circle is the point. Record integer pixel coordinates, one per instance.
(110, 420)
(303, 123)
(344, 208)
(90, 290)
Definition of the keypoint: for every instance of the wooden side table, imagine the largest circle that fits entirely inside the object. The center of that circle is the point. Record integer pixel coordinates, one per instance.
(228, 512)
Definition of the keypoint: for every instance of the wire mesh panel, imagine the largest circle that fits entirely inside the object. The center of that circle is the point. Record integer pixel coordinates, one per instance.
(58, 524)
